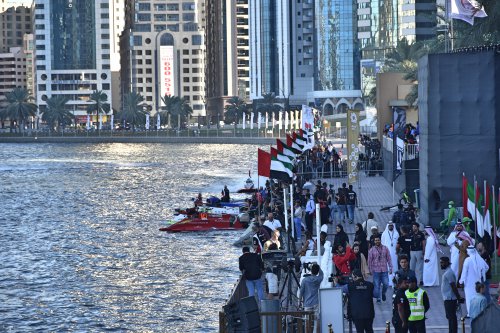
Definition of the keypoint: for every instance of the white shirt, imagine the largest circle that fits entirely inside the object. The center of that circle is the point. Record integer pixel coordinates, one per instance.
(272, 283)
(310, 207)
(273, 225)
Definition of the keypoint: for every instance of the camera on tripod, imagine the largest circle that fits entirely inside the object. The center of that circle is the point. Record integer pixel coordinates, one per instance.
(307, 266)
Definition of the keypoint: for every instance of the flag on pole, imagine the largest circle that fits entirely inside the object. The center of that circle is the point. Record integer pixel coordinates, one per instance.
(147, 121)
(284, 149)
(259, 119)
(88, 122)
(251, 120)
(264, 163)
(281, 170)
(473, 205)
(299, 140)
(286, 120)
(488, 209)
(244, 119)
(465, 197)
(293, 146)
(100, 121)
(112, 121)
(158, 121)
(280, 120)
(292, 121)
(298, 121)
(267, 121)
(466, 10)
(274, 121)
(282, 157)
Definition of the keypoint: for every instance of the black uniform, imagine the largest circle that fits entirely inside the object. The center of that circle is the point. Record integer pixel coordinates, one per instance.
(399, 298)
(360, 294)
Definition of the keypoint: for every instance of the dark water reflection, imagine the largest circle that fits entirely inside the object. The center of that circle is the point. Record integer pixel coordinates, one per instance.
(79, 243)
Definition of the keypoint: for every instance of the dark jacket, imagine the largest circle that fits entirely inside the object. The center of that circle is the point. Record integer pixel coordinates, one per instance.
(251, 265)
(360, 294)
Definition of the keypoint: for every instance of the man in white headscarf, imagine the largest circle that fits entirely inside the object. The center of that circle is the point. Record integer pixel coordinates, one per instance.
(474, 270)
(431, 268)
(454, 241)
(390, 239)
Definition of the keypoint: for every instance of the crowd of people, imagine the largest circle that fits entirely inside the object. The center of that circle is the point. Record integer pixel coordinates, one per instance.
(410, 133)
(403, 256)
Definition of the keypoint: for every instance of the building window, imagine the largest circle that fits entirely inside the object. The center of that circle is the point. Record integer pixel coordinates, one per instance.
(185, 70)
(149, 71)
(185, 89)
(189, 17)
(105, 46)
(105, 56)
(173, 17)
(149, 98)
(173, 6)
(173, 27)
(105, 86)
(196, 40)
(190, 27)
(105, 26)
(104, 36)
(142, 27)
(185, 52)
(137, 41)
(148, 52)
(196, 70)
(144, 17)
(188, 6)
(39, 6)
(106, 66)
(185, 61)
(148, 62)
(37, 17)
(160, 17)
(185, 79)
(42, 87)
(144, 6)
(105, 16)
(104, 5)
(40, 37)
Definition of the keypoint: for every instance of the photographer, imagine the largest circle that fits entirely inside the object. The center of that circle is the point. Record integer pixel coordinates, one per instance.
(360, 307)
(309, 289)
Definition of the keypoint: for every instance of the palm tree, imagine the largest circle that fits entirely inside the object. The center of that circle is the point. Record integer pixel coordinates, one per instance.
(134, 110)
(486, 30)
(269, 105)
(170, 108)
(235, 109)
(56, 113)
(101, 105)
(185, 111)
(19, 107)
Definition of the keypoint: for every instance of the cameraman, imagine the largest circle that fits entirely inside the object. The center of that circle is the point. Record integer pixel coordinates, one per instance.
(309, 289)
(360, 307)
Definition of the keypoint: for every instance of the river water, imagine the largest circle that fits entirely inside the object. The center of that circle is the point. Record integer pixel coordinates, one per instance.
(80, 248)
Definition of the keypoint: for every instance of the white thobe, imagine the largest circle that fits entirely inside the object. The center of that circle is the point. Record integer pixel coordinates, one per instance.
(431, 269)
(454, 252)
(474, 270)
(390, 240)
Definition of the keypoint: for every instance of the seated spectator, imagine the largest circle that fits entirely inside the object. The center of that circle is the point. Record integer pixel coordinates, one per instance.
(274, 240)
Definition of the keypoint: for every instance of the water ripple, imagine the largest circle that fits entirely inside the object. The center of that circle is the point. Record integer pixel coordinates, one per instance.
(80, 247)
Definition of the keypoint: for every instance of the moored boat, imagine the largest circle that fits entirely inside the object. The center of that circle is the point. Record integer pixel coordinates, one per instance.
(206, 222)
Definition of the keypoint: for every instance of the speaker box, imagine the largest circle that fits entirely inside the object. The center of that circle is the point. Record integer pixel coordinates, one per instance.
(243, 316)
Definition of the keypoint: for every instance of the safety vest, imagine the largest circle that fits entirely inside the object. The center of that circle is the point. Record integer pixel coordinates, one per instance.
(416, 300)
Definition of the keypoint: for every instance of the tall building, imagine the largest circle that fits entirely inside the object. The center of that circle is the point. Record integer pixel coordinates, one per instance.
(162, 52)
(227, 71)
(29, 51)
(72, 52)
(417, 19)
(12, 71)
(378, 27)
(117, 25)
(15, 22)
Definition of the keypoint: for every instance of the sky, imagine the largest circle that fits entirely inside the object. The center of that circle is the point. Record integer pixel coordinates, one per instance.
(19, 2)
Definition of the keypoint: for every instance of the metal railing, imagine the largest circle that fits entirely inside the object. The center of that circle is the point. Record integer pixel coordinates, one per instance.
(303, 321)
(411, 150)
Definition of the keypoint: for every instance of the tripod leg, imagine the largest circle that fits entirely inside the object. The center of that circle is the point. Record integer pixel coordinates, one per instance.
(283, 287)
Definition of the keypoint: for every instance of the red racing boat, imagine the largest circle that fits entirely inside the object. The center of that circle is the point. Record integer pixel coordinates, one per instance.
(206, 222)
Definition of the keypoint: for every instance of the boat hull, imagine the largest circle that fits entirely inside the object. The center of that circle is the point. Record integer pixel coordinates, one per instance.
(193, 224)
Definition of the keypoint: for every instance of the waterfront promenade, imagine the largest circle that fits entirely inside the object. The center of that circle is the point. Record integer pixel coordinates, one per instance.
(373, 194)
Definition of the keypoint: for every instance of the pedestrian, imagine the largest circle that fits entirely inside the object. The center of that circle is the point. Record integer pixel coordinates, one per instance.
(369, 224)
(360, 302)
(474, 270)
(360, 261)
(342, 261)
(419, 305)
(272, 223)
(352, 200)
(417, 251)
(297, 220)
(340, 238)
(341, 197)
(310, 212)
(483, 252)
(251, 266)
(404, 243)
(380, 266)
(454, 241)
(360, 238)
(400, 218)
(404, 272)
(309, 290)
(400, 306)
(389, 240)
(431, 269)
(478, 302)
(451, 296)
(374, 233)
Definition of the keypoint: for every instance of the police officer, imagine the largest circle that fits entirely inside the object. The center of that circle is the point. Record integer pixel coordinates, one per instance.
(400, 307)
(360, 296)
(419, 305)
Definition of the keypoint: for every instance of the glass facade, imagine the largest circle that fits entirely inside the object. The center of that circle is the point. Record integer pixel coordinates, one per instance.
(337, 47)
(269, 47)
(73, 34)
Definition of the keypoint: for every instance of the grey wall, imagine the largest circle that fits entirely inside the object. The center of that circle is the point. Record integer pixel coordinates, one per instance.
(459, 114)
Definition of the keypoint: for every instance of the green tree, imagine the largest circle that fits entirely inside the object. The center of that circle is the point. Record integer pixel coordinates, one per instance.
(134, 110)
(485, 31)
(269, 104)
(19, 107)
(235, 108)
(169, 109)
(175, 106)
(100, 104)
(56, 114)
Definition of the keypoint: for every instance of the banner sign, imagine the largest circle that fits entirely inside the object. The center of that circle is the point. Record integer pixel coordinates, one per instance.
(167, 86)
(352, 145)
(399, 124)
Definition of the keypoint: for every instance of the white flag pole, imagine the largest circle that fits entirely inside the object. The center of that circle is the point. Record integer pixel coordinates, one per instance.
(286, 210)
(243, 116)
(318, 231)
(294, 236)
(251, 120)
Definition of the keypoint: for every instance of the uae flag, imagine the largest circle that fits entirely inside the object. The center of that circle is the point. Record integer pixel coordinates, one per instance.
(280, 156)
(264, 163)
(473, 206)
(465, 196)
(281, 170)
(284, 149)
(293, 145)
(299, 140)
(488, 209)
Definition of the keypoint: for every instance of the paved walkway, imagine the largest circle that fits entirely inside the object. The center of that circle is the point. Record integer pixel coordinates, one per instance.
(373, 194)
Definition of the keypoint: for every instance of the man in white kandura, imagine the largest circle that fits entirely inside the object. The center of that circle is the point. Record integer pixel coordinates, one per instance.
(454, 241)
(431, 268)
(390, 239)
(474, 270)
